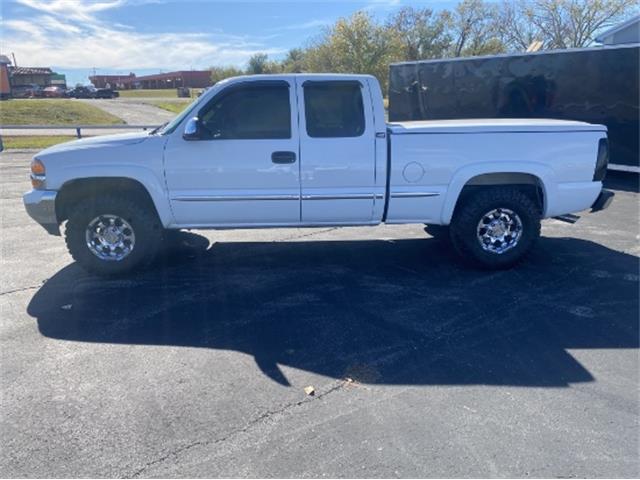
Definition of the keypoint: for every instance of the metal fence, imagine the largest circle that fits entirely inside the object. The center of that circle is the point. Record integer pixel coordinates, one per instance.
(78, 128)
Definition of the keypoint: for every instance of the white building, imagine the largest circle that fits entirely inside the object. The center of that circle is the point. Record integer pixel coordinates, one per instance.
(626, 32)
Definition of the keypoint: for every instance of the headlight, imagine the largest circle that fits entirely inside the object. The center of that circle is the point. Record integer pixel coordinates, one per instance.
(37, 174)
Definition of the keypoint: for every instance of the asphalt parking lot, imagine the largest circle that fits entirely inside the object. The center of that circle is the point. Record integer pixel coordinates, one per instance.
(421, 366)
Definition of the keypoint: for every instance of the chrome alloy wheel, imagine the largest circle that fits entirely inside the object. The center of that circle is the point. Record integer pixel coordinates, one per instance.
(110, 238)
(499, 230)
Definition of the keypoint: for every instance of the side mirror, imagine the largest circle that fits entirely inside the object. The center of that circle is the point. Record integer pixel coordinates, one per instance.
(192, 129)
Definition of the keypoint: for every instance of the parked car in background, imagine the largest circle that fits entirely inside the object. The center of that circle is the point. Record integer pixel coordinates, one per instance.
(54, 92)
(92, 92)
(106, 93)
(81, 92)
(26, 91)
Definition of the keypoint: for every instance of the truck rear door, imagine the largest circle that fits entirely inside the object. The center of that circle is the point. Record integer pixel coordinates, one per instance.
(337, 151)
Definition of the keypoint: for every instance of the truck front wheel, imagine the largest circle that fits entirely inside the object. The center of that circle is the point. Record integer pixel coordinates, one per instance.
(495, 227)
(112, 235)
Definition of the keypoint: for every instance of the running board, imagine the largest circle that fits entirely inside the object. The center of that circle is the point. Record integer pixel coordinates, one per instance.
(568, 218)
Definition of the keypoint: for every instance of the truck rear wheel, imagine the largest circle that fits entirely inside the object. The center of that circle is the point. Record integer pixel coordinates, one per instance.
(495, 227)
(112, 235)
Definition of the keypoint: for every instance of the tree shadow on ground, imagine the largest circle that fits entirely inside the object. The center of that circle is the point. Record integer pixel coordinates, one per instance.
(384, 312)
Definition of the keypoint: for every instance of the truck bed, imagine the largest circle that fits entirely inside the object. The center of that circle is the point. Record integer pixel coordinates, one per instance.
(492, 125)
(431, 162)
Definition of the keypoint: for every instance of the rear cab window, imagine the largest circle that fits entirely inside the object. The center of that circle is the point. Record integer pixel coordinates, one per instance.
(333, 109)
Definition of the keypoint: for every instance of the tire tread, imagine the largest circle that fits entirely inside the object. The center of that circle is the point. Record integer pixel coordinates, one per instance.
(145, 224)
(466, 217)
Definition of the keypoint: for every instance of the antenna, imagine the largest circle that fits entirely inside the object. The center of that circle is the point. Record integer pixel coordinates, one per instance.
(15, 64)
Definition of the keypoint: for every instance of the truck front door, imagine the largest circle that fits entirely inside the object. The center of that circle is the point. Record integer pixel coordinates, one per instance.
(244, 168)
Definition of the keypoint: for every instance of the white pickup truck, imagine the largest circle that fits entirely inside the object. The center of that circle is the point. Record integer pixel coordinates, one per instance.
(307, 150)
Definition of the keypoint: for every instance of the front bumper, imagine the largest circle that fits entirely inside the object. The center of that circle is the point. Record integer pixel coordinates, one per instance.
(603, 201)
(41, 206)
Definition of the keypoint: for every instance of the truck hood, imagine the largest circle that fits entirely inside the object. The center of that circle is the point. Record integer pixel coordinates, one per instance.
(102, 141)
(493, 125)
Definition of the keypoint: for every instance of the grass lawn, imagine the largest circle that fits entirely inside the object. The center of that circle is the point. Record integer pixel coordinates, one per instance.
(34, 141)
(54, 111)
(163, 92)
(172, 106)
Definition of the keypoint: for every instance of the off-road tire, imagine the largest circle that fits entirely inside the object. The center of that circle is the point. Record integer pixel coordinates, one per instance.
(463, 228)
(145, 224)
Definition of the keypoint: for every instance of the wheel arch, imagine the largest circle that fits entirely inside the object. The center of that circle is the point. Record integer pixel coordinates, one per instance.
(536, 179)
(77, 189)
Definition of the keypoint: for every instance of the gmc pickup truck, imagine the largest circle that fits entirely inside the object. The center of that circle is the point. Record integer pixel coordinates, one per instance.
(309, 150)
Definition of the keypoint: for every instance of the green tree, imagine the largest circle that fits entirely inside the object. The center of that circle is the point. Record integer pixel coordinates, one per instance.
(354, 45)
(420, 33)
(318, 57)
(220, 73)
(258, 63)
(273, 66)
(294, 61)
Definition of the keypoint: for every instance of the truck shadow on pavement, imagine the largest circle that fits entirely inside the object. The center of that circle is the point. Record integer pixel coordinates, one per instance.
(383, 312)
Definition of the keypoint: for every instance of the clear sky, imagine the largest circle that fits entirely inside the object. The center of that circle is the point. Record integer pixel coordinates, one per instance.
(148, 36)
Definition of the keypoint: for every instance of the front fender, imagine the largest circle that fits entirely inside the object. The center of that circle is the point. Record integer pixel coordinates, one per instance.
(461, 177)
(140, 173)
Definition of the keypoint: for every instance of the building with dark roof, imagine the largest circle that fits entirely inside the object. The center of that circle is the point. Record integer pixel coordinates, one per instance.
(182, 78)
(30, 76)
(12, 77)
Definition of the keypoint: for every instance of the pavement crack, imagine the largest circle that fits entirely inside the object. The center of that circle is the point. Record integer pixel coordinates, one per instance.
(340, 384)
(305, 235)
(22, 289)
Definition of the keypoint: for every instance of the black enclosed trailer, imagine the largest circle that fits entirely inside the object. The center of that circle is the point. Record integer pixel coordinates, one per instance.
(595, 85)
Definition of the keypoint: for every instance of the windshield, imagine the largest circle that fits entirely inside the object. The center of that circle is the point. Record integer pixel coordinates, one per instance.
(173, 124)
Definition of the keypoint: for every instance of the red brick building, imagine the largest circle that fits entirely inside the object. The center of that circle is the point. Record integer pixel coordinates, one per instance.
(183, 78)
